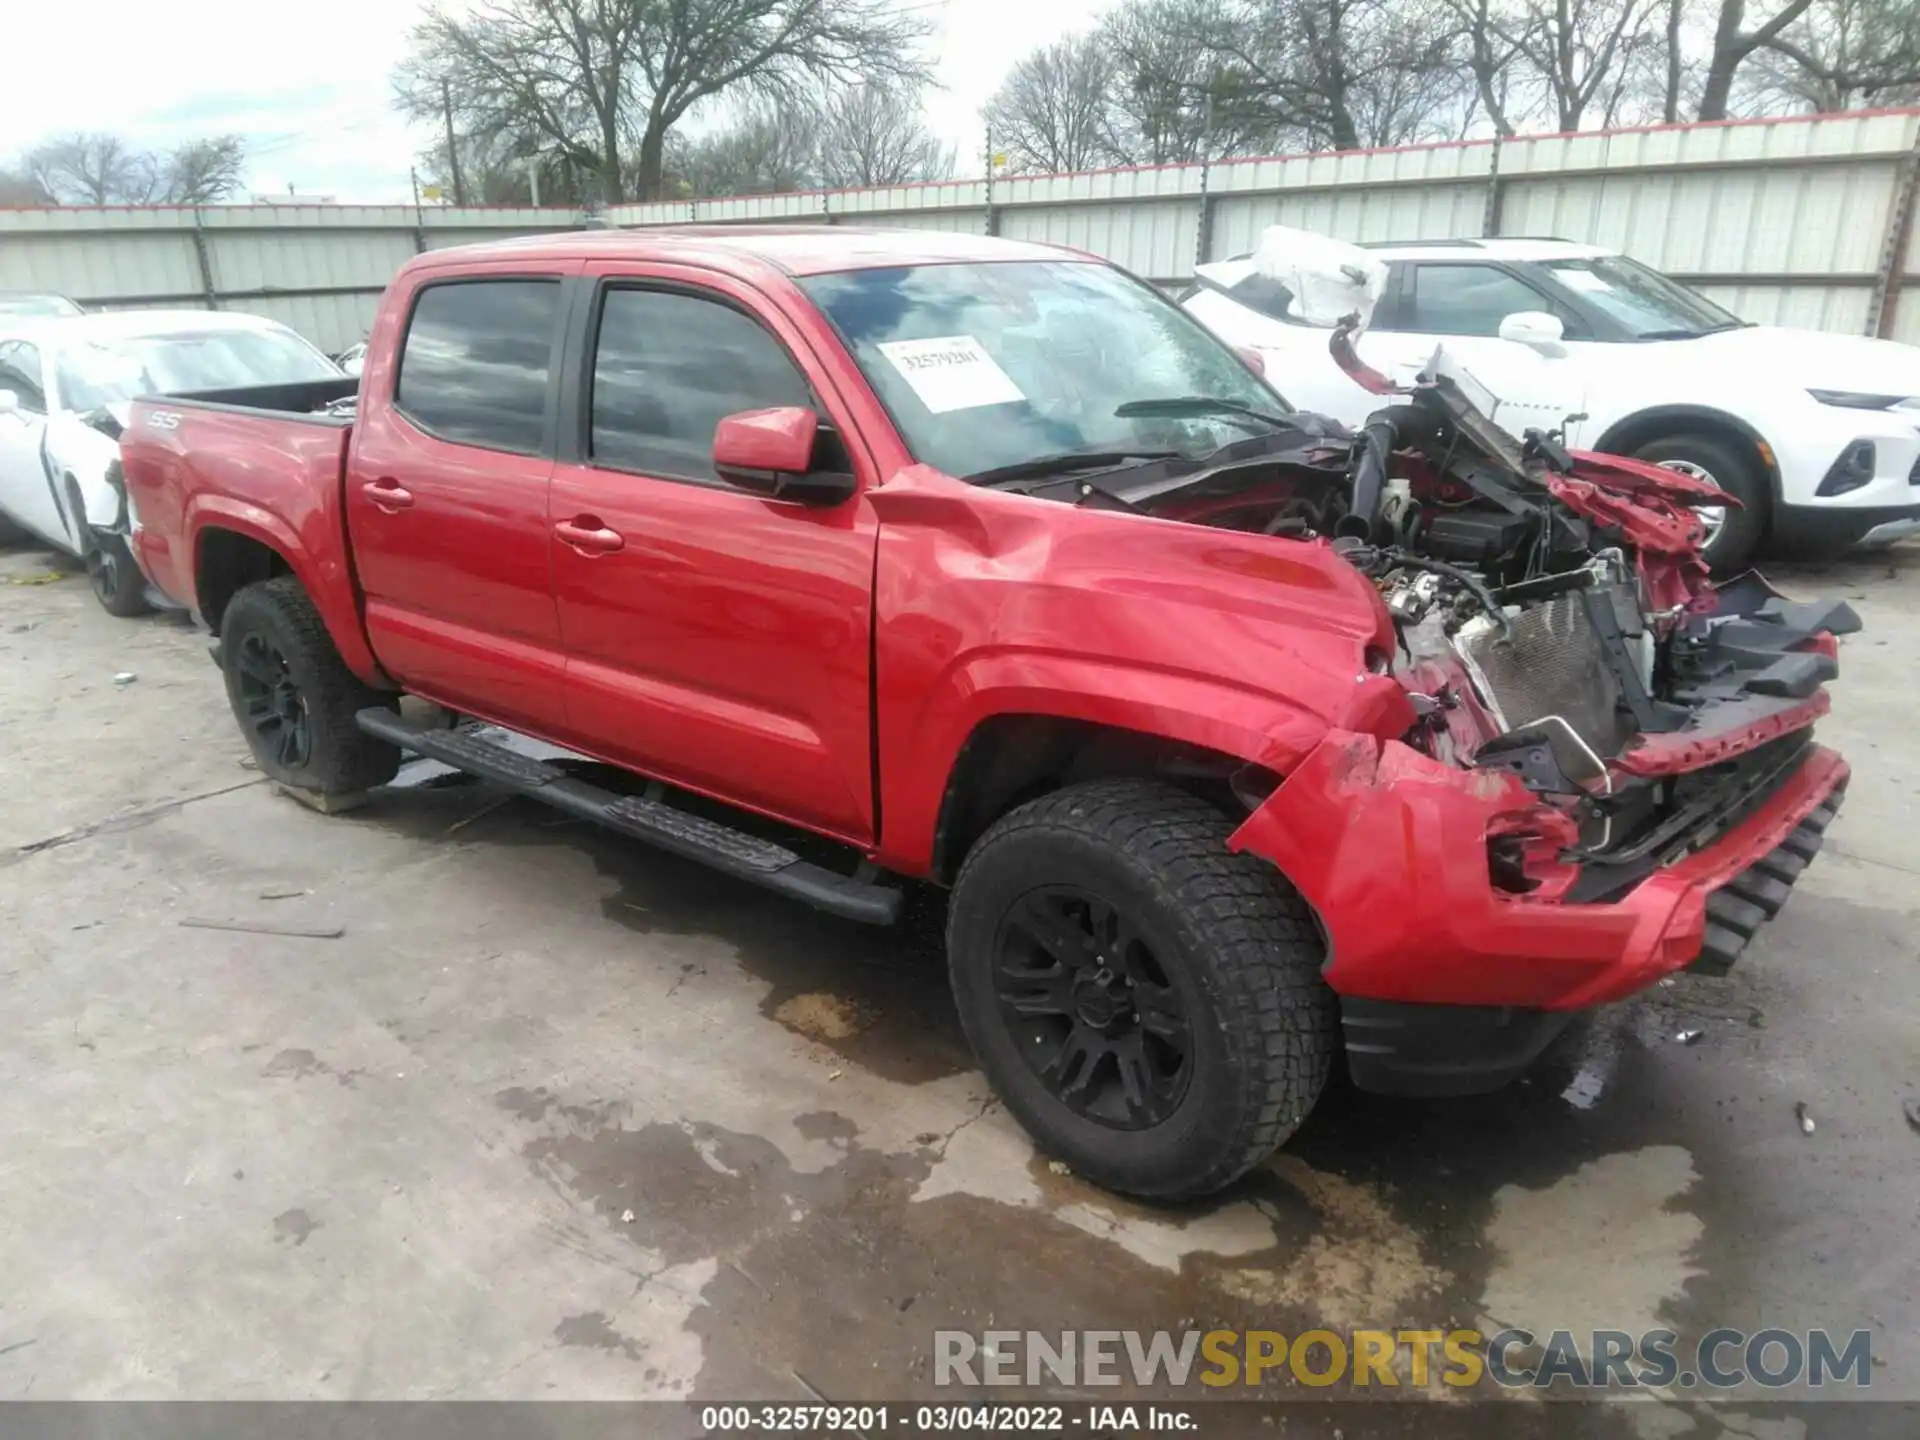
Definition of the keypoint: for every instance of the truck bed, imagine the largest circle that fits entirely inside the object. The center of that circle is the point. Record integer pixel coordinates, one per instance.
(204, 471)
(303, 397)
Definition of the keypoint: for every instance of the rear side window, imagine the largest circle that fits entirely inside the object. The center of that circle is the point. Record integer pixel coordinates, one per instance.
(667, 367)
(1264, 296)
(476, 362)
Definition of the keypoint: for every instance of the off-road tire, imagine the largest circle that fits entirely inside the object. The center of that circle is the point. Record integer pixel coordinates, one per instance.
(1263, 1023)
(342, 758)
(1735, 470)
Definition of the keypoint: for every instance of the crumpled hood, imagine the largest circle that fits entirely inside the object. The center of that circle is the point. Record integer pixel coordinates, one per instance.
(1817, 360)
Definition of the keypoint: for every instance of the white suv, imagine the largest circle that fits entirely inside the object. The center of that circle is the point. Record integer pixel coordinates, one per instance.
(1816, 434)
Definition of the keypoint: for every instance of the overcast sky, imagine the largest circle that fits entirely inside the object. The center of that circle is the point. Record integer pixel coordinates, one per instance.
(308, 86)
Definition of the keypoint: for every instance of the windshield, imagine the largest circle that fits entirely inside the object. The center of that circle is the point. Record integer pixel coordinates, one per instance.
(994, 367)
(38, 305)
(1644, 301)
(93, 373)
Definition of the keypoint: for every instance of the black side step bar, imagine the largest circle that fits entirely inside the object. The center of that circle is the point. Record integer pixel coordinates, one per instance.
(762, 862)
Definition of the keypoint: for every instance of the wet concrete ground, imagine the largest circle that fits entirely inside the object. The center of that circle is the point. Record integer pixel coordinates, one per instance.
(562, 1117)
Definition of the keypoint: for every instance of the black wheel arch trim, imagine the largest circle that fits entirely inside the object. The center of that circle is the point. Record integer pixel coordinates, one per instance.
(1680, 418)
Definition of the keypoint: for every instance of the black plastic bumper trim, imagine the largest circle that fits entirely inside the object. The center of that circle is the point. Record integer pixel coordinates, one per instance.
(1836, 524)
(1737, 910)
(1400, 1048)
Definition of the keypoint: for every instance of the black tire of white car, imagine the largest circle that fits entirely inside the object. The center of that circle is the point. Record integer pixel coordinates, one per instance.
(10, 533)
(1195, 946)
(116, 579)
(294, 696)
(1734, 470)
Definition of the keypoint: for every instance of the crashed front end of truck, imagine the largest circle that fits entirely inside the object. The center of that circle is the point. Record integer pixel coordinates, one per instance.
(1607, 770)
(1583, 765)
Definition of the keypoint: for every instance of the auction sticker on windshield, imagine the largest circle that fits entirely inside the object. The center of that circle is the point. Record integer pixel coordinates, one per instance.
(951, 372)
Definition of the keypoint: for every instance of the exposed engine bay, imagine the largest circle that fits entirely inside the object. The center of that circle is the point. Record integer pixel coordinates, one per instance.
(1554, 617)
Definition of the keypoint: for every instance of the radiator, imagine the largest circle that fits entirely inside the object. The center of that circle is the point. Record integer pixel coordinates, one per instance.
(1553, 665)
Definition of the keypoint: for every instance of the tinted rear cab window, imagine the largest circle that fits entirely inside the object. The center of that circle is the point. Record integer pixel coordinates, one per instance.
(477, 361)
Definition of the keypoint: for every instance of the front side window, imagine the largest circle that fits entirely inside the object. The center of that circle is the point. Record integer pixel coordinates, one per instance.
(988, 366)
(1463, 299)
(476, 362)
(20, 373)
(666, 369)
(1645, 302)
(108, 369)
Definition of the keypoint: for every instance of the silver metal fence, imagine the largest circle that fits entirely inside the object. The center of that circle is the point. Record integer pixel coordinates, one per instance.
(1805, 221)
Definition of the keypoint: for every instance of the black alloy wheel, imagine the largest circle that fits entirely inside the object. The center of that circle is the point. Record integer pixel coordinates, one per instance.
(1091, 1009)
(1146, 1001)
(271, 703)
(294, 697)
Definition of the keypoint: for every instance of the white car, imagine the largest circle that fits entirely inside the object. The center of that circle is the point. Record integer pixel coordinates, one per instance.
(1817, 435)
(65, 384)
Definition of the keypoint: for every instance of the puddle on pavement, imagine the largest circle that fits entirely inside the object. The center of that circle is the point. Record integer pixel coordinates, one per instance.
(833, 1282)
(838, 1276)
(1381, 1210)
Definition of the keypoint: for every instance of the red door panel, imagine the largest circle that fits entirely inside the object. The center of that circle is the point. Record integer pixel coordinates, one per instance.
(724, 645)
(450, 539)
(716, 639)
(458, 587)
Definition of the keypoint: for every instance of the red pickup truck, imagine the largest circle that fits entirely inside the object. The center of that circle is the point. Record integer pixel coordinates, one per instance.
(1236, 737)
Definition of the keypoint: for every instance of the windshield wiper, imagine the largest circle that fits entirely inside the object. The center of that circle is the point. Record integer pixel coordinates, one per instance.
(1065, 461)
(1678, 334)
(1176, 406)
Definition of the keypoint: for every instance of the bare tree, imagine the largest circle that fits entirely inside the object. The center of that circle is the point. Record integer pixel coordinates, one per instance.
(561, 70)
(874, 134)
(1842, 54)
(1588, 54)
(766, 150)
(1486, 36)
(694, 49)
(202, 172)
(1673, 57)
(1378, 72)
(1176, 93)
(92, 169)
(1733, 44)
(20, 189)
(595, 77)
(1337, 73)
(1051, 113)
(501, 168)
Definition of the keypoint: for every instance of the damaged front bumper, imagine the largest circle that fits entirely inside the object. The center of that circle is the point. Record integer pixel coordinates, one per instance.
(1451, 983)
